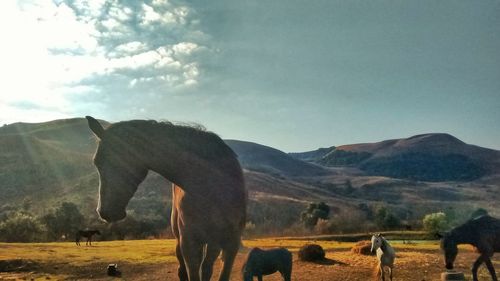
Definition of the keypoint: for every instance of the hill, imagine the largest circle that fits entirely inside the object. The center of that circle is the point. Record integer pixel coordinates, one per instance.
(312, 156)
(427, 157)
(258, 157)
(51, 162)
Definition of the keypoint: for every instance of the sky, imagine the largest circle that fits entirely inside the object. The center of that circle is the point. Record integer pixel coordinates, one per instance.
(294, 75)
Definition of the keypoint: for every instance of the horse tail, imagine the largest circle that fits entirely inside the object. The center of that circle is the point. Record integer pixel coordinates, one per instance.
(77, 238)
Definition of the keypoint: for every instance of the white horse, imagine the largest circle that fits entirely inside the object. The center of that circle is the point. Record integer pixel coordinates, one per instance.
(385, 255)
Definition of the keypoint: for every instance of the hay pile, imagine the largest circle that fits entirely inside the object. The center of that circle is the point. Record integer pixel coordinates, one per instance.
(311, 252)
(362, 248)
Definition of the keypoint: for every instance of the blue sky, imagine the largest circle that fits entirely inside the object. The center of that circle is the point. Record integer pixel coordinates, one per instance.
(295, 75)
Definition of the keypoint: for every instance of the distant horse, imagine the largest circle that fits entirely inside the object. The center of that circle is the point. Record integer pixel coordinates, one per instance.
(264, 262)
(483, 233)
(385, 255)
(209, 196)
(87, 234)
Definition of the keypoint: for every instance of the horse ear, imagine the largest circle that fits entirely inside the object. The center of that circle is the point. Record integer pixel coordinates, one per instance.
(95, 126)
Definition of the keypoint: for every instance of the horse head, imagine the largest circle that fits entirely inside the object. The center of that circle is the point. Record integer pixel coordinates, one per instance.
(449, 246)
(254, 257)
(248, 270)
(120, 171)
(377, 241)
(247, 273)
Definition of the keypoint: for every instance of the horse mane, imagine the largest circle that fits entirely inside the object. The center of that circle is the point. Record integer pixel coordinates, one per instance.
(191, 137)
(481, 223)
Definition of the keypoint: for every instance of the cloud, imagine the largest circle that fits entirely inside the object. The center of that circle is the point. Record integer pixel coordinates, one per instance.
(77, 51)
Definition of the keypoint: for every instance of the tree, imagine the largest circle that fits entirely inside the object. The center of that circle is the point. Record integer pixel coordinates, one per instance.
(20, 227)
(435, 222)
(314, 212)
(64, 221)
(385, 219)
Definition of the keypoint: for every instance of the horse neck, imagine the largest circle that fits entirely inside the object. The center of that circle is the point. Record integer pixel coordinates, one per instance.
(462, 236)
(180, 165)
(166, 161)
(386, 247)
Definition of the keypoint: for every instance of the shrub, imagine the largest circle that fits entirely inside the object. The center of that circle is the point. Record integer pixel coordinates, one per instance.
(385, 219)
(435, 222)
(350, 222)
(21, 227)
(64, 221)
(314, 212)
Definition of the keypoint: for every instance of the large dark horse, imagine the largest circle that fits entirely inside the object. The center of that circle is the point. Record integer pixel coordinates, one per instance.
(264, 262)
(483, 233)
(87, 234)
(209, 195)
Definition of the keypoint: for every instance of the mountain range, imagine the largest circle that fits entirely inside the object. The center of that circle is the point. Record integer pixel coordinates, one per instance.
(50, 162)
(427, 157)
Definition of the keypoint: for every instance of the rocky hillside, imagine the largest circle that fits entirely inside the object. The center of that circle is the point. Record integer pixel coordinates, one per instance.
(427, 157)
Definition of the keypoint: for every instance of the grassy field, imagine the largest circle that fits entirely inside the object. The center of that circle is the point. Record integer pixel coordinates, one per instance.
(155, 260)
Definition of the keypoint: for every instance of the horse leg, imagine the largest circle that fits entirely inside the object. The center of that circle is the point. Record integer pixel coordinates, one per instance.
(259, 277)
(491, 269)
(287, 273)
(181, 271)
(192, 251)
(382, 273)
(212, 252)
(475, 266)
(390, 272)
(229, 254)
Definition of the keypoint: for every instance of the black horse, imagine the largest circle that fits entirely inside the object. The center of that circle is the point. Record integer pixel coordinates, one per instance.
(483, 233)
(264, 262)
(87, 234)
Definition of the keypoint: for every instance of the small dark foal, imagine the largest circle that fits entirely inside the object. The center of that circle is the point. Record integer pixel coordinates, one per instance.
(264, 262)
(87, 234)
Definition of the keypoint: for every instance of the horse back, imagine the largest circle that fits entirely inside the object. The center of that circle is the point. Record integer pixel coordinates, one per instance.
(270, 261)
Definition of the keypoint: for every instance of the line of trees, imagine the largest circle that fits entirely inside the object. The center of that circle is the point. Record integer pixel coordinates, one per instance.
(62, 223)
(150, 218)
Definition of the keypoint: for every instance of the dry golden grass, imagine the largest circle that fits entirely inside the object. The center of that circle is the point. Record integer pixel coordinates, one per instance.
(155, 260)
(362, 248)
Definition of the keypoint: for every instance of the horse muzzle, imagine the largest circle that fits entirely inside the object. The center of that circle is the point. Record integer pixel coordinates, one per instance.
(449, 266)
(111, 216)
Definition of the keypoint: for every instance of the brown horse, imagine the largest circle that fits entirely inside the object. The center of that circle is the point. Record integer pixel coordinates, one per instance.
(209, 195)
(483, 233)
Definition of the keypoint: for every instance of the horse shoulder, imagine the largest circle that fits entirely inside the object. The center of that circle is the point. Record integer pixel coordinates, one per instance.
(391, 251)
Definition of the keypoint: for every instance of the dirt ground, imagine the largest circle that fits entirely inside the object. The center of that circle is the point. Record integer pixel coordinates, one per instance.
(413, 263)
